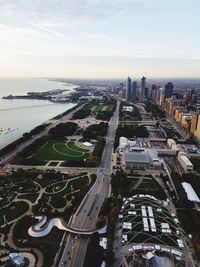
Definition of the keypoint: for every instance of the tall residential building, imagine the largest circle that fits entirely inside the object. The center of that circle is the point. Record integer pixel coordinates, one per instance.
(134, 90)
(169, 87)
(142, 89)
(128, 90)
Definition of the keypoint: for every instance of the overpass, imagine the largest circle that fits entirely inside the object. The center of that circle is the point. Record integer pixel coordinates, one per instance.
(43, 227)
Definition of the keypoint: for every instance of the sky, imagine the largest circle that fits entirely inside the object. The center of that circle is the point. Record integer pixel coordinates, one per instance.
(99, 38)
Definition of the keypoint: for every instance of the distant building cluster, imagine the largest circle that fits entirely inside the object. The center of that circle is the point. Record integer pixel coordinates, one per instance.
(142, 92)
(184, 106)
(132, 92)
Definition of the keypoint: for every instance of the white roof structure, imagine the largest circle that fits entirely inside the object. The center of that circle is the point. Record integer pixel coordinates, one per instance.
(103, 242)
(123, 142)
(144, 213)
(127, 225)
(137, 247)
(165, 225)
(145, 224)
(125, 237)
(191, 194)
(87, 144)
(149, 255)
(153, 225)
(127, 108)
(130, 212)
(150, 211)
(180, 243)
(176, 252)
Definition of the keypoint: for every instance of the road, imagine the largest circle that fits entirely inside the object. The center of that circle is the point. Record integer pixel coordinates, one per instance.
(85, 218)
(4, 160)
(179, 128)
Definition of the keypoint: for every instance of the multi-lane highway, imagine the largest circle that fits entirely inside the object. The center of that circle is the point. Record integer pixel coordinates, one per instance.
(75, 247)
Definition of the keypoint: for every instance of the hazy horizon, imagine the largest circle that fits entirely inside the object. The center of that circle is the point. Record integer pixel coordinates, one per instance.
(99, 39)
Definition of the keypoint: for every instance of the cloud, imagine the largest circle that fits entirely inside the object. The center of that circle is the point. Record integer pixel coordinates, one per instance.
(47, 29)
(99, 36)
(66, 9)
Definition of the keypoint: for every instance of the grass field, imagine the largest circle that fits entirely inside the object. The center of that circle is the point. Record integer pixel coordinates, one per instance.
(58, 150)
(99, 108)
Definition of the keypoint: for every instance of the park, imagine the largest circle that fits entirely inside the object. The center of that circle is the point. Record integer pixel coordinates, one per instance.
(60, 150)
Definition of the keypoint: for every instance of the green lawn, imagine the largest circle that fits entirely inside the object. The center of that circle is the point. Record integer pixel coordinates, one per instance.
(57, 150)
(99, 107)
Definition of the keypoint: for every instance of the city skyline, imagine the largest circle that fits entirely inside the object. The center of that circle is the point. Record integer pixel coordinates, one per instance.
(99, 39)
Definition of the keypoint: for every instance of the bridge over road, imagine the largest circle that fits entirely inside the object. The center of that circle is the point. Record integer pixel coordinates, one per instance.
(43, 227)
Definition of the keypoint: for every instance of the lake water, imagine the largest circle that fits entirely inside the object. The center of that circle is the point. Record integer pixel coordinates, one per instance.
(18, 116)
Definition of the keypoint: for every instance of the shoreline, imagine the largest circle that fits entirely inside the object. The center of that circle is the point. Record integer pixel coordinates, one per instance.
(40, 123)
(25, 124)
(51, 95)
(7, 149)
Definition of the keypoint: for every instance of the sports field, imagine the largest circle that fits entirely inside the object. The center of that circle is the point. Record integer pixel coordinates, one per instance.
(58, 150)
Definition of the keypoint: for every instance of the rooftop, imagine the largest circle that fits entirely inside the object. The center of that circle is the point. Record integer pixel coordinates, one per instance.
(150, 230)
(191, 194)
(141, 156)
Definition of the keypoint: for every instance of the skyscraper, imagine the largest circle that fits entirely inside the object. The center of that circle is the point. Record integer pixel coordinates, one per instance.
(128, 90)
(134, 90)
(153, 92)
(169, 89)
(162, 95)
(142, 89)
